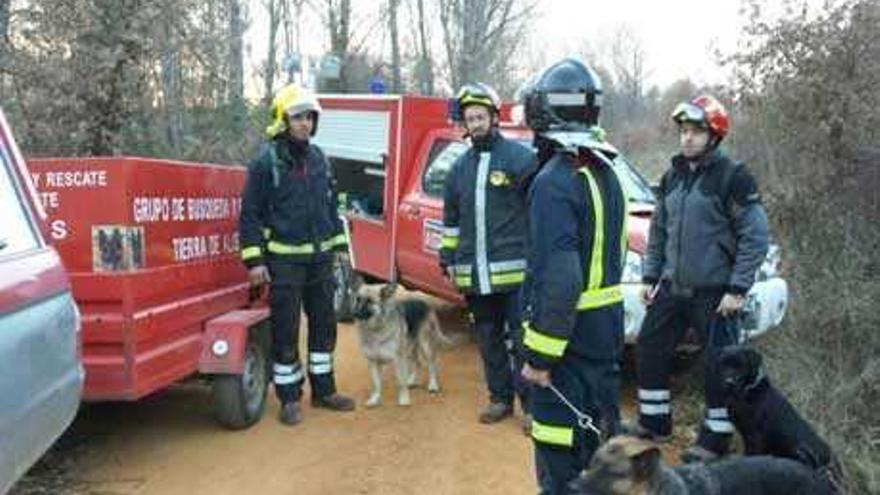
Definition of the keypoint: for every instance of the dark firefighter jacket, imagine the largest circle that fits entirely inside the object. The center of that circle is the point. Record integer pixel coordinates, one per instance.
(577, 234)
(289, 207)
(484, 217)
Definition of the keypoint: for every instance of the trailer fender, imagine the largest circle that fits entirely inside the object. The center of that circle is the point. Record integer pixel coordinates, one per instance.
(225, 339)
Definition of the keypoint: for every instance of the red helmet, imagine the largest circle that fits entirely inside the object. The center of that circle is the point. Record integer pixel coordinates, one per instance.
(704, 110)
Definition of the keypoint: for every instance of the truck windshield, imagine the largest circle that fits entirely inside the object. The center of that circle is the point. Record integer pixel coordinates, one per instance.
(635, 185)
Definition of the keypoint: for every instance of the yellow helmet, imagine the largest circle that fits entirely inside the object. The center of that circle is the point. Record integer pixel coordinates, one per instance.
(291, 100)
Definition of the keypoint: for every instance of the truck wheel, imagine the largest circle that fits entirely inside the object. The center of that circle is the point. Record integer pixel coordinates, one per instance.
(239, 400)
(343, 298)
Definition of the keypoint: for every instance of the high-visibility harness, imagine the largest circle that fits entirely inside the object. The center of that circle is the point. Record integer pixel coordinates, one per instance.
(594, 295)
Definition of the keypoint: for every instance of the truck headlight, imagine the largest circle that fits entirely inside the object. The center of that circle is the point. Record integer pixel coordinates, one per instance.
(770, 267)
(632, 268)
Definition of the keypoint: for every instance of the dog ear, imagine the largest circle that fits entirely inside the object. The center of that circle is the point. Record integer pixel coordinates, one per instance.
(357, 281)
(645, 464)
(754, 359)
(388, 291)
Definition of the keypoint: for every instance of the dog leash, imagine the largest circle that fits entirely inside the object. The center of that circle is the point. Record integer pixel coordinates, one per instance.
(584, 420)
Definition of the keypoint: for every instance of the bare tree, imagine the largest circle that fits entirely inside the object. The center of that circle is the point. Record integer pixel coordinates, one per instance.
(275, 9)
(4, 44)
(425, 62)
(172, 88)
(349, 34)
(4, 28)
(480, 35)
(396, 85)
(628, 63)
(339, 24)
(292, 23)
(235, 65)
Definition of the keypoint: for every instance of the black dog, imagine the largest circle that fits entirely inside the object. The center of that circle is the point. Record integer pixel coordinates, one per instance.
(633, 466)
(768, 423)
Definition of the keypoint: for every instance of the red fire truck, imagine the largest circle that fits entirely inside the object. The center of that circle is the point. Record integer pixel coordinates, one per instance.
(391, 154)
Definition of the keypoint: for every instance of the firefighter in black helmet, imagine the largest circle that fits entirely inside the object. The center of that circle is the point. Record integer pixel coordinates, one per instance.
(484, 243)
(573, 304)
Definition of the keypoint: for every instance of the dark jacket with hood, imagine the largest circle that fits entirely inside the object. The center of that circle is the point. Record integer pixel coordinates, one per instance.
(289, 207)
(709, 229)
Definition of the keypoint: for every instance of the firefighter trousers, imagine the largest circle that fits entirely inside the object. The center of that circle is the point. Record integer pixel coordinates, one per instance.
(307, 286)
(667, 320)
(499, 335)
(562, 447)
(588, 376)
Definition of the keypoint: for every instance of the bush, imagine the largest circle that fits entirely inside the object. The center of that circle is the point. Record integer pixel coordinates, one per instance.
(807, 120)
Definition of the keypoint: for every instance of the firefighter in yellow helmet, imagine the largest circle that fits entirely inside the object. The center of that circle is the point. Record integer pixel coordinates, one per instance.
(289, 230)
(483, 249)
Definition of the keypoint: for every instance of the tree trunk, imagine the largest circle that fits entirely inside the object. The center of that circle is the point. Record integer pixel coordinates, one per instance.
(395, 46)
(426, 63)
(235, 96)
(274, 11)
(4, 28)
(171, 90)
(4, 44)
(339, 21)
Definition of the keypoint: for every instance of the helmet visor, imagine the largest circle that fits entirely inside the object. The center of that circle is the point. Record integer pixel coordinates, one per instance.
(688, 112)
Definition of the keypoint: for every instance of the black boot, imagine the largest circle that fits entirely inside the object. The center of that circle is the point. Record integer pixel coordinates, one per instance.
(290, 413)
(495, 412)
(334, 402)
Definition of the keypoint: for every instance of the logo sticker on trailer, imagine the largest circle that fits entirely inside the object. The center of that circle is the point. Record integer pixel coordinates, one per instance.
(432, 234)
(117, 248)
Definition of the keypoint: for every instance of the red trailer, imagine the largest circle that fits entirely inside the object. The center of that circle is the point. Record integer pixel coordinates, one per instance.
(152, 251)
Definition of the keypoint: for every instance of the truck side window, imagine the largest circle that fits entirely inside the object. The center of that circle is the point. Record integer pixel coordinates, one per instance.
(16, 232)
(443, 154)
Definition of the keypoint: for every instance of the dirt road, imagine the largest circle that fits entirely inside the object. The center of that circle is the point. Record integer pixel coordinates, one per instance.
(169, 443)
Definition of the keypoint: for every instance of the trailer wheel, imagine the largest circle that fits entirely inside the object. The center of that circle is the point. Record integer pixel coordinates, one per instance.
(343, 298)
(239, 400)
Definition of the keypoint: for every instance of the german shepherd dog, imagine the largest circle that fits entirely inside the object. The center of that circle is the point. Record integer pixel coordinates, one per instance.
(633, 466)
(768, 423)
(405, 333)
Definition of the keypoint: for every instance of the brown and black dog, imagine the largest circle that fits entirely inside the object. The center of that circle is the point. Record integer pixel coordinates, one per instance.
(633, 466)
(768, 422)
(405, 333)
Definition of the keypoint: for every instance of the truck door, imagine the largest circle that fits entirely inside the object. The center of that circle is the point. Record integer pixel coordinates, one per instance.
(356, 137)
(421, 216)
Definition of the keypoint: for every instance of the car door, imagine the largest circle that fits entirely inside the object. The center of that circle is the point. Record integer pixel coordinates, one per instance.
(41, 379)
(421, 215)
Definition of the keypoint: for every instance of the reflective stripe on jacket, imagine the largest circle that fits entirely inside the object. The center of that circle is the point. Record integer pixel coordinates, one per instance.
(289, 209)
(484, 217)
(577, 232)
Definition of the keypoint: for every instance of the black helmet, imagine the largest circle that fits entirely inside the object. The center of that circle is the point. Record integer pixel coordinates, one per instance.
(567, 96)
(478, 94)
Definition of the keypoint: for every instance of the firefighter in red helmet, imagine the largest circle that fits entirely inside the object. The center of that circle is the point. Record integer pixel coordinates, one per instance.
(708, 237)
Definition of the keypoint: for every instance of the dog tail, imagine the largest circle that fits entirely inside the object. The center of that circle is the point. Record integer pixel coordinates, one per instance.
(441, 337)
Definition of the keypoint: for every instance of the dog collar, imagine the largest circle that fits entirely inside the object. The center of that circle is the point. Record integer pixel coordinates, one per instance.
(757, 381)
